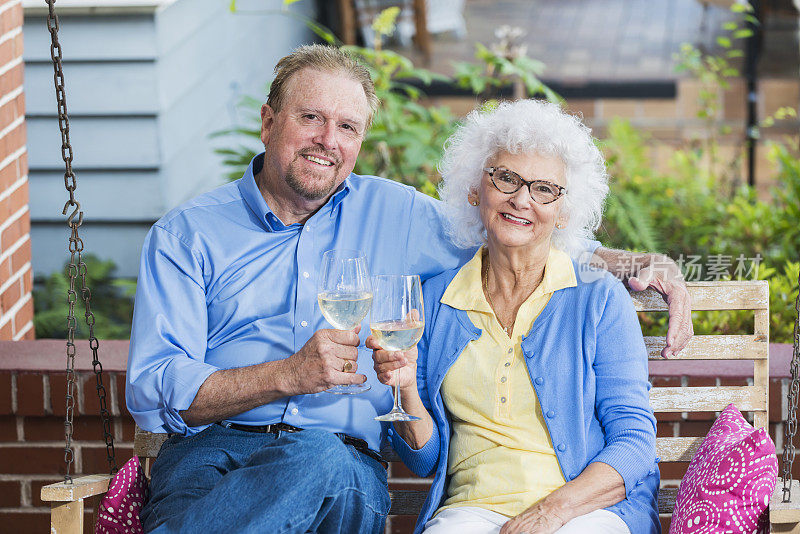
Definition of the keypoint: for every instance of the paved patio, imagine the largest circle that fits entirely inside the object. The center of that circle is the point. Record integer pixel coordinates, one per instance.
(619, 40)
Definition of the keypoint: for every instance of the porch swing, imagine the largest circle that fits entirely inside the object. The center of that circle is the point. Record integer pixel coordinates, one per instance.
(67, 498)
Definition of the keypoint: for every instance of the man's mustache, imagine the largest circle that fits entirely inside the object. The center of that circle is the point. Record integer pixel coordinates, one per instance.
(320, 153)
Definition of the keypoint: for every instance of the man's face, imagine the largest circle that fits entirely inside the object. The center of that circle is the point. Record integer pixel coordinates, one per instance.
(312, 143)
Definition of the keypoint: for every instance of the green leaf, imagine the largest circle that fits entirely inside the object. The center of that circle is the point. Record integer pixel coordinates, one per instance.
(723, 41)
(742, 34)
(232, 6)
(289, 2)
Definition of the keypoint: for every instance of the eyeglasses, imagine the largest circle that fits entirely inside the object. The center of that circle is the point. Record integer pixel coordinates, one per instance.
(509, 182)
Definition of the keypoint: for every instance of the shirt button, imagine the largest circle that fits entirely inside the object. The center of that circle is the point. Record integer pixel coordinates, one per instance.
(304, 323)
(503, 379)
(294, 411)
(503, 399)
(507, 364)
(510, 351)
(551, 414)
(562, 447)
(539, 380)
(305, 274)
(573, 476)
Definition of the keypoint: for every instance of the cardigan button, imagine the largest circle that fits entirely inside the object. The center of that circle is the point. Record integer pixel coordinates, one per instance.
(539, 380)
(551, 414)
(562, 447)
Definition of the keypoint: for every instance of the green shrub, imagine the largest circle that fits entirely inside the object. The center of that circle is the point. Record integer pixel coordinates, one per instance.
(111, 302)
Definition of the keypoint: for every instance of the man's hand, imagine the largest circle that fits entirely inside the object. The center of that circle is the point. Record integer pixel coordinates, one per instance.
(660, 272)
(386, 362)
(534, 520)
(328, 359)
(663, 275)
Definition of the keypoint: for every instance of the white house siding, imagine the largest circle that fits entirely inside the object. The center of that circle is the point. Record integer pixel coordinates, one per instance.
(146, 85)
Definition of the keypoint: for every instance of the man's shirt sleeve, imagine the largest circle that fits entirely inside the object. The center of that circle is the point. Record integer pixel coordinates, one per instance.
(166, 364)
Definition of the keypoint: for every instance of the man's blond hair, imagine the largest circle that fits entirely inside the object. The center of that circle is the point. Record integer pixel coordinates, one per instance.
(323, 58)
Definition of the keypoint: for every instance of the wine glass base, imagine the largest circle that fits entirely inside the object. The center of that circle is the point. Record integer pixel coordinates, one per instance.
(354, 389)
(396, 415)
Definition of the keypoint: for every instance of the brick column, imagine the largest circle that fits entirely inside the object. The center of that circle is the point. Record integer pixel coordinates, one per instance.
(16, 275)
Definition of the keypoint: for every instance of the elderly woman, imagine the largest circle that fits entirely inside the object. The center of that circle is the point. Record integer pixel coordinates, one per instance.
(531, 378)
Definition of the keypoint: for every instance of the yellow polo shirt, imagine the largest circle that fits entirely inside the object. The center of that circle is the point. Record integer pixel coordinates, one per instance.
(501, 457)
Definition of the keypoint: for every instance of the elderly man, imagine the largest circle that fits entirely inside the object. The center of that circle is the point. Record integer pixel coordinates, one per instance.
(229, 352)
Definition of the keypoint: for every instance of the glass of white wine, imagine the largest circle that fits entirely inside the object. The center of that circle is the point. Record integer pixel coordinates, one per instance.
(397, 321)
(344, 294)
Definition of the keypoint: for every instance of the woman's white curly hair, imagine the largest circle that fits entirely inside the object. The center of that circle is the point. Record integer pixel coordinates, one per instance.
(518, 127)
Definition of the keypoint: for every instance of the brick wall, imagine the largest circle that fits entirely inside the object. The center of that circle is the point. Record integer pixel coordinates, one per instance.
(32, 430)
(16, 275)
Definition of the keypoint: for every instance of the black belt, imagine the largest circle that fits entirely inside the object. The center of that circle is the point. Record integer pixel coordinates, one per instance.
(358, 444)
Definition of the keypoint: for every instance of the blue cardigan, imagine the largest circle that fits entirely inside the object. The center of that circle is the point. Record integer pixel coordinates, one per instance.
(588, 364)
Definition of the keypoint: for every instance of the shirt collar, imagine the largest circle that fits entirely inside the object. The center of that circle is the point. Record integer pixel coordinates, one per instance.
(255, 200)
(465, 291)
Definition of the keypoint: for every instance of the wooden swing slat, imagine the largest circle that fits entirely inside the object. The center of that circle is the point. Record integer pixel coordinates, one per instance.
(80, 488)
(707, 399)
(743, 347)
(728, 295)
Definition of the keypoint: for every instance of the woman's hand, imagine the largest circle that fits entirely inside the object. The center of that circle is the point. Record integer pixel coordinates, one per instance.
(385, 362)
(535, 520)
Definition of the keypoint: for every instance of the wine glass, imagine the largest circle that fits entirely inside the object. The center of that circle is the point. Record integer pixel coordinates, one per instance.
(397, 321)
(344, 294)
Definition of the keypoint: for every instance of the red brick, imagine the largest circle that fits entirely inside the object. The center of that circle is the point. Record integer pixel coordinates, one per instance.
(25, 521)
(119, 379)
(6, 332)
(8, 428)
(11, 79)
(91, 403)
(8, 175)
(24, 316)
(19, 45)
(21, 256)
(95, 461)
(128, 429)
(30, 394)
(776, 400)
(58, 393)
(32, 460)
(10, 296)
(51, 428)
(5, 392)
(10, 494)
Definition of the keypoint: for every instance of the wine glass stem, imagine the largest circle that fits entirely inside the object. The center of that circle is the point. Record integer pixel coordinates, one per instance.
(397, 405)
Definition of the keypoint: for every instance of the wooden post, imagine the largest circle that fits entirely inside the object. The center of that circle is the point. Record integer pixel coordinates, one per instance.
(761, 367)
(421, 36)
(66, 517)
(347, 20)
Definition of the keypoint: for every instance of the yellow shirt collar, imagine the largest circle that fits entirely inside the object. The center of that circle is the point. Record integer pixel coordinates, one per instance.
(465, 291)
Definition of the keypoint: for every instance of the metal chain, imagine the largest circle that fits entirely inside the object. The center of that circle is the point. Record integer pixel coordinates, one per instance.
(790, 428)
(76, 267)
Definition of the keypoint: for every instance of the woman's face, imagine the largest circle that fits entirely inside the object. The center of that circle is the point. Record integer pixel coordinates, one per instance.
(516, 220)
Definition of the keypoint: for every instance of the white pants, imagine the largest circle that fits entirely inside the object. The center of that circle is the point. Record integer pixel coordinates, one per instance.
(474, 520)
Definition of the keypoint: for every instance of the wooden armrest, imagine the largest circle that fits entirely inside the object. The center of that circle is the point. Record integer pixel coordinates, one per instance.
(785, 512)
(81, 487)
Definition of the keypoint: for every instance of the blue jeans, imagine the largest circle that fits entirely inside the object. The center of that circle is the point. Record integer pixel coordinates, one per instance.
(233, 481)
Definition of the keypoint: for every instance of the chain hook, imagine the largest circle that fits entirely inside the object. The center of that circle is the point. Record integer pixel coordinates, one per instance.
(77, 211)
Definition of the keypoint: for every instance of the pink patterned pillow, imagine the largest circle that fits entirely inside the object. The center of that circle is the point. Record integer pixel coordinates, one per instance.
(729, 481)
(119, 509)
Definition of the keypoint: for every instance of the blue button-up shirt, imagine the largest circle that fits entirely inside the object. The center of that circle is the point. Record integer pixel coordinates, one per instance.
(223, 283)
